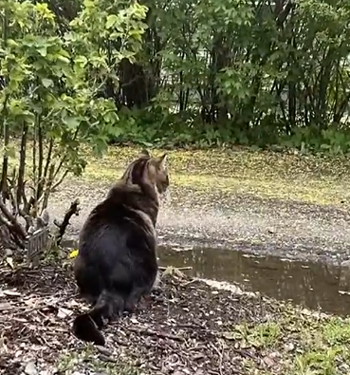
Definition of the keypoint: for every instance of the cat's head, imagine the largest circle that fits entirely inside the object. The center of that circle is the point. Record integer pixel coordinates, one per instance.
(149, 169)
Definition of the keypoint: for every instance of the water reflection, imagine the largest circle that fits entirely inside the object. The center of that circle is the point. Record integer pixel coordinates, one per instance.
(313, 285)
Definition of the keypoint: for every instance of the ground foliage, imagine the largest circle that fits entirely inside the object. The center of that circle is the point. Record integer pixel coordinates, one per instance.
(190, 327)
(233, 71)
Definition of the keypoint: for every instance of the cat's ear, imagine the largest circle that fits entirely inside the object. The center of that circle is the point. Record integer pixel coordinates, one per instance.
(144, 153)
(163, 161)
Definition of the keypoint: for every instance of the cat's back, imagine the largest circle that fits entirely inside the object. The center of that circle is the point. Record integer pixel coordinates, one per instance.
(117, 215)
(106, 214)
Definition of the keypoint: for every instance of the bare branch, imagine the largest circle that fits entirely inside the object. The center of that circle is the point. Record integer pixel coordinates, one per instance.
(22, 162)
(74, 209)
(16, 226)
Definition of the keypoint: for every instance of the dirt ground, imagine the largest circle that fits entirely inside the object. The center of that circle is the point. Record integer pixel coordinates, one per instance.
(185, 330)
(189, 328)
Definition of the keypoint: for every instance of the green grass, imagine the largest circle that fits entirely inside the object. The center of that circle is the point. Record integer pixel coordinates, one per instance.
(89, 358)
(262, 174)
(298, 344)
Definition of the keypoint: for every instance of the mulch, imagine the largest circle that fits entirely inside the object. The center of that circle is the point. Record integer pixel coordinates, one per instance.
(183, 329)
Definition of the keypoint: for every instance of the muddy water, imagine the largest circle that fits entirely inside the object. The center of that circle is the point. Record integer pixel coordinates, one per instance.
(313, 285)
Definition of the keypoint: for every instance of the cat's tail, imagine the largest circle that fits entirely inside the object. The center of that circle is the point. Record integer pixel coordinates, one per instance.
(87, 327)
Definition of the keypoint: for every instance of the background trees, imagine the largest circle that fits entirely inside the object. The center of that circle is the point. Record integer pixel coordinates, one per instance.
(240, 71)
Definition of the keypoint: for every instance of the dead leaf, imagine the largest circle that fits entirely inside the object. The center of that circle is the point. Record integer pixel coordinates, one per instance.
(63, 313)
(9, 261)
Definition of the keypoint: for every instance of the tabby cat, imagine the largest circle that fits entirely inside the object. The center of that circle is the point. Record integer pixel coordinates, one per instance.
(117, 262)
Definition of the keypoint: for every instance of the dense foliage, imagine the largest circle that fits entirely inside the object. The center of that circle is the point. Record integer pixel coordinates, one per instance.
(259, 72)
(251, 72)
(53, 74)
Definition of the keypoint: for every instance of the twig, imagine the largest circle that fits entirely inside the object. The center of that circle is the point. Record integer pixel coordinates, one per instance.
(148, 332)
(180, 268)
(26, 309)
(41, 180)
(48, 160)
(73, 210)
(188, 282)
(12, 195)
(220, 356)
(48, 186)
(22, 163)
(59, 182)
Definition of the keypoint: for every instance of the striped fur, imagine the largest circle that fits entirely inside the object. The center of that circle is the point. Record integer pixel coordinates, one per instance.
(117, 261)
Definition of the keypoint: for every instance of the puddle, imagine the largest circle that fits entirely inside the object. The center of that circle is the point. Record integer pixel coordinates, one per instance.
(312, 285)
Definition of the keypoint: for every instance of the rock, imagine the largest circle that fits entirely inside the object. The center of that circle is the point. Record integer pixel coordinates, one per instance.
(31, 369)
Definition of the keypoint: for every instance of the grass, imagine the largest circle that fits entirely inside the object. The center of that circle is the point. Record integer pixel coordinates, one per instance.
(89, 358)
(309, 179)
(264, 174)
(298, 344)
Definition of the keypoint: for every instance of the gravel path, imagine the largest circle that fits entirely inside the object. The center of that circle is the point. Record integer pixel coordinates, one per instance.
(191, 218)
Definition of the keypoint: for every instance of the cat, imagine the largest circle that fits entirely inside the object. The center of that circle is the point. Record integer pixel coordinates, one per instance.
(117, 260)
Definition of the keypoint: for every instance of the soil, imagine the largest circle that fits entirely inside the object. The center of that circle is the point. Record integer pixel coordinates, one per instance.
(184, 330)
(193, 218)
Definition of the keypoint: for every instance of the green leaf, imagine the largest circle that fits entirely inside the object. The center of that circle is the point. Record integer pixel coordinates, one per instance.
(63, 59)
(81, 60)
(47, 82)
(72, 122)
(43, 51)
(112, 19)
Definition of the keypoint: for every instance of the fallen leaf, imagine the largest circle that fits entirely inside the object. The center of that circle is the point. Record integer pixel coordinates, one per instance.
(11, 293)
(74, 253)
(9, 261)
(31, 369)
(63, 313)
(5, 306)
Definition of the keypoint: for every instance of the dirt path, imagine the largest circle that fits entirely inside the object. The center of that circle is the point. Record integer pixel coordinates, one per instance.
(244, 222)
